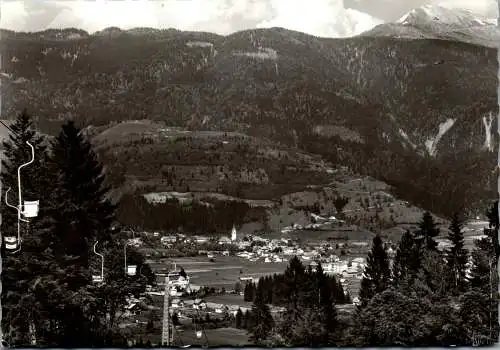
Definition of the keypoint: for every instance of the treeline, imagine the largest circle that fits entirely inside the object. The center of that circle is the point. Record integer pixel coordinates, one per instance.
(430, 297)
(193, 217)
(51, 297)
(274, 288)
(310, 316)
(421, 296)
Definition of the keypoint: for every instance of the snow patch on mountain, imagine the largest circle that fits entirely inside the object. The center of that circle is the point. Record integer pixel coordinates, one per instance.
(443, 15)
(405, 136)
(431, 143)
(441, 22)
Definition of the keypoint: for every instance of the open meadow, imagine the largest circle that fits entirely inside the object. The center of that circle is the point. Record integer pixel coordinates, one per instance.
(224, 271)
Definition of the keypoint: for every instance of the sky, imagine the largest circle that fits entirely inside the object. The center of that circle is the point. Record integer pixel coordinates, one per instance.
(328, 18)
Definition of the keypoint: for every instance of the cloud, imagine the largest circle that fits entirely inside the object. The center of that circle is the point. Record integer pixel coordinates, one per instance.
(29, 15)
(332, 18)
(328, 18)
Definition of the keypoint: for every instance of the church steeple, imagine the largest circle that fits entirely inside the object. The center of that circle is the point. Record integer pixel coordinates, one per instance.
(233, 234)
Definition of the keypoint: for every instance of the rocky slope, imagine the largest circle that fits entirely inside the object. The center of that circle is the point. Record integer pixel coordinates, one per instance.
(415, 113)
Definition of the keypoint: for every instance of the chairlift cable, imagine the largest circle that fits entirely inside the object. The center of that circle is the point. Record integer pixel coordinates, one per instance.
(8, 127)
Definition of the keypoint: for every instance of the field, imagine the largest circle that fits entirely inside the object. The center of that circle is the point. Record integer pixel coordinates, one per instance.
(228, 299)
(224, 271)
(338, 235)
(214, 337)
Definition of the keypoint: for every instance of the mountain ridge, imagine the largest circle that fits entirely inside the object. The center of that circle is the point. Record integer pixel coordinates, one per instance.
(372, 103)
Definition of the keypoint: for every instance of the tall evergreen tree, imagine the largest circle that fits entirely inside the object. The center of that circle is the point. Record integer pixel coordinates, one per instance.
(404, 264)
(85, 213)
(82, 215)
(310, 318)
(294, 282)
(492, 230)
(484, 283)
(249, 292)
(77, 224)
(239, 318)
(262, 318)
(456, 255)
(377, 272)
(426, 232)
(326, 307)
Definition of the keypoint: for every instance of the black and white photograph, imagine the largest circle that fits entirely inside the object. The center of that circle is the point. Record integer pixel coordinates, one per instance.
(249, 173)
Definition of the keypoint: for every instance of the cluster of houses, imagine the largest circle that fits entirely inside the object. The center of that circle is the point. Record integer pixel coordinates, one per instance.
(185, 306)
(203, 305)
(278, 250)
(350, 268)
(265, 250)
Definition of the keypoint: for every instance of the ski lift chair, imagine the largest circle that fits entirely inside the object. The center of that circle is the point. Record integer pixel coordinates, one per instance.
(31, 209)
(198, 332)
(99, 278)
(10, 242)
(131, 270)
(13, 243)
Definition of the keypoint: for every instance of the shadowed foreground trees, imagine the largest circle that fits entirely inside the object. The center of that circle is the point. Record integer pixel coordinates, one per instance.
(58, 304)
(309, 317)
(437, 304)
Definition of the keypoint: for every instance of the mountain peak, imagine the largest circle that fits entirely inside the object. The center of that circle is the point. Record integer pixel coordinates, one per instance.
(444, 23)
(441, 15)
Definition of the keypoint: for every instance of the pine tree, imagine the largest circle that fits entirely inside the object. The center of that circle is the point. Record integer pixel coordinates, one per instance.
(310, 318)
(377, 272)
(294, 283)
(484, 281)
(492, 230)
(246, 320)
(456, 255)
(404, 265)
(433, 277)
(263, 320)
(81, 215)
(85, 213)
(22, 313)
(426, 232)
(326, 307)
(239, 318)
(77, 224)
